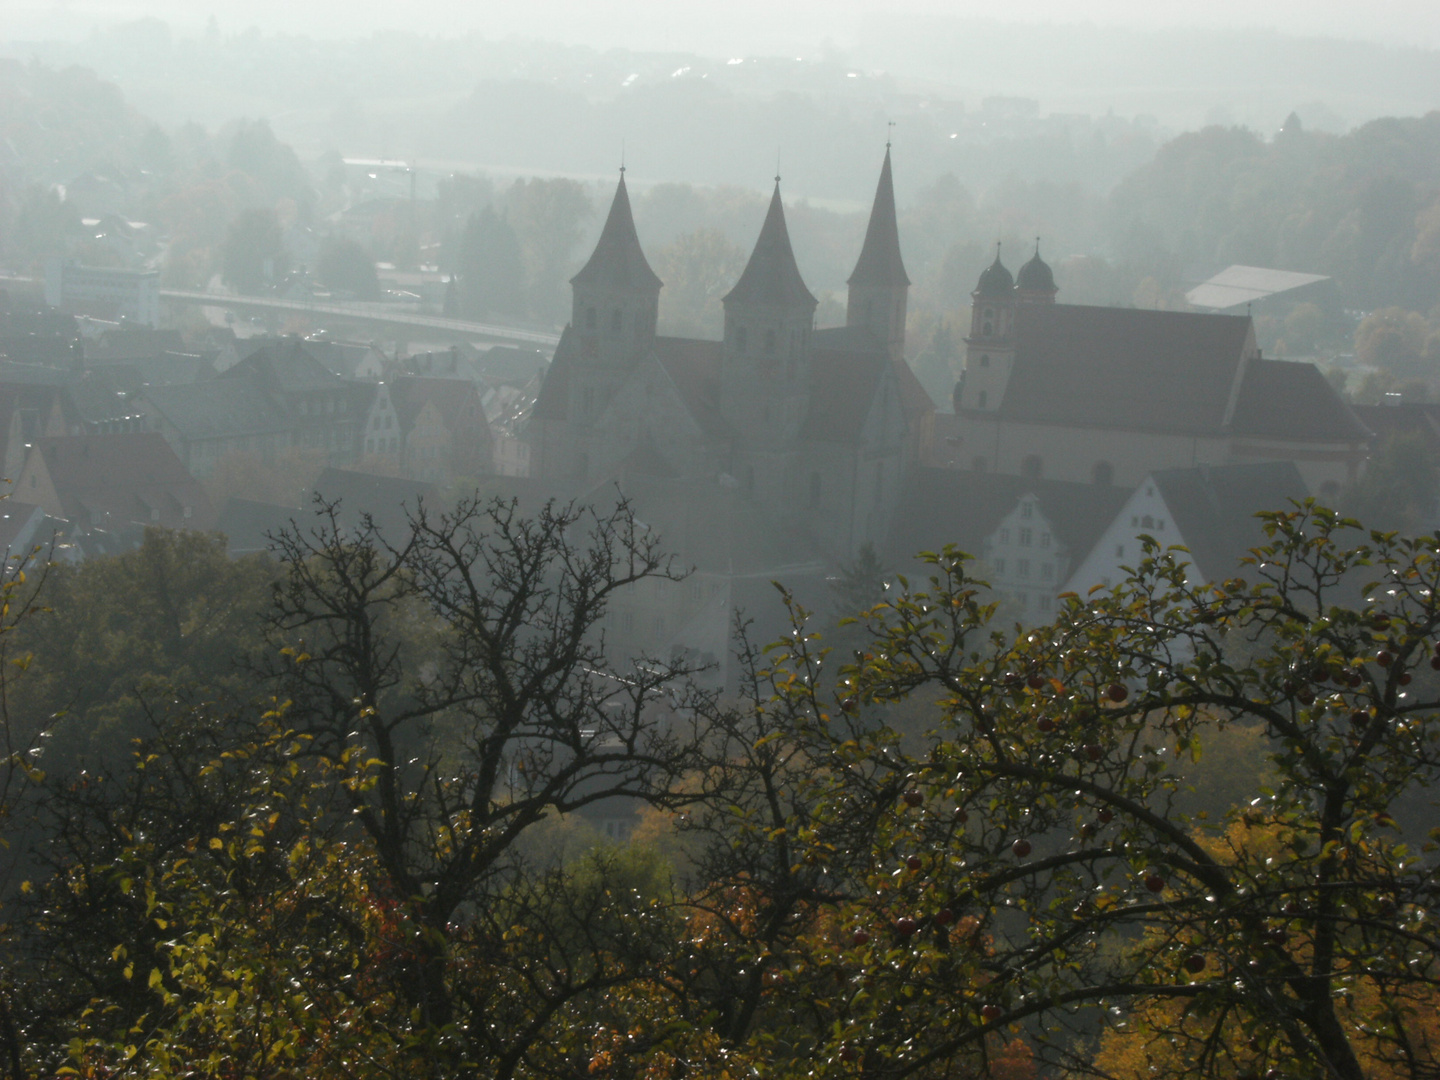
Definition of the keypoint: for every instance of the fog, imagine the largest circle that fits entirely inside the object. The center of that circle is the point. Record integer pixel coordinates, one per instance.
(577, 539)
(743, 26)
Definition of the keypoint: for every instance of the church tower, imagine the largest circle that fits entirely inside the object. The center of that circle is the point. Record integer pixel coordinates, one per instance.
(769, 319)
(1035, 283)
(990, 346)
(616, 297)
(879, 287)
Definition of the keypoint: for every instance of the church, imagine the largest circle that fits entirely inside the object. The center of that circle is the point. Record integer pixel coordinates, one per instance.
(780, 450)
(810, 432)
(1107, 395)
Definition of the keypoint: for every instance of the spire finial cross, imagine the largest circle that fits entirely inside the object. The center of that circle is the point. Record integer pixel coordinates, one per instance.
(622, 157)
(889, 133)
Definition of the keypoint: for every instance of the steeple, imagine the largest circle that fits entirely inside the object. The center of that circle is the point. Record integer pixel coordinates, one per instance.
(616, 296)
(618, 261)
(771, 278)
(879, 285)
(990, 347)
(769, 316)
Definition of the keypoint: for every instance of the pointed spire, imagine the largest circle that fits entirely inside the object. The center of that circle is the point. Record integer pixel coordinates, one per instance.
(771, 276)
(618, 261)
(880, 262)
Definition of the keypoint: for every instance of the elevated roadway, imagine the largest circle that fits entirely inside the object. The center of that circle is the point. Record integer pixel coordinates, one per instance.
(374, 314)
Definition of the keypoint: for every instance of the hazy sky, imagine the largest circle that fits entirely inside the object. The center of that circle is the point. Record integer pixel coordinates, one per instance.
(720, 26)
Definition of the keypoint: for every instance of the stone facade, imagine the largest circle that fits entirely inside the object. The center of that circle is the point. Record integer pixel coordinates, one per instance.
(817, 427)
(1109, 395)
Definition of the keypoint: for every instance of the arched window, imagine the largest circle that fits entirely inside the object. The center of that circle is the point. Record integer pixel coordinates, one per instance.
(1032, 467)
(1104, 473)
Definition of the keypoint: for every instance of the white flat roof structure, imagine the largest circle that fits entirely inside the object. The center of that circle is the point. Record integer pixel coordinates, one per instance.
(1236, 285)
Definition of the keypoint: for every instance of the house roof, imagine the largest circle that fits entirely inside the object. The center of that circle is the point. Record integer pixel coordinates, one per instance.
(16, 520)
(133, 343)
(771, 278)
(456, 400)
(1292, 400)
(880, 262)
(218, 408)
(132, 477)
(843, 383)
(1124, 368)
(618, 262)
(1236, 285)
(386, 499)
(946, 506)
(694, 368)
(248, 525)
(286, 366)
(1214, 508)
(1406, 418)
(551, 401)
(719, 529)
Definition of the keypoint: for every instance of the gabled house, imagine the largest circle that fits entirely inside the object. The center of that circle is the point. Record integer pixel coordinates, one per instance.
(324, 410)
(427, 428)
(1209, 510)
(114, 483)
(1028, 535)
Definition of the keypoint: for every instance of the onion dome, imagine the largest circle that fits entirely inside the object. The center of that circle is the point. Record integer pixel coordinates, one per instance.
(995, 280)
(1035, 276)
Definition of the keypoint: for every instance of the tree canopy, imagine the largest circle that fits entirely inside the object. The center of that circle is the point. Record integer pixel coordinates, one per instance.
(1181, 830)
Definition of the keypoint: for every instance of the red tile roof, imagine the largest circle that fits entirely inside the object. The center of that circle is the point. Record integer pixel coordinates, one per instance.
(1289, 400)
(129, 478)
(1124, 368)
